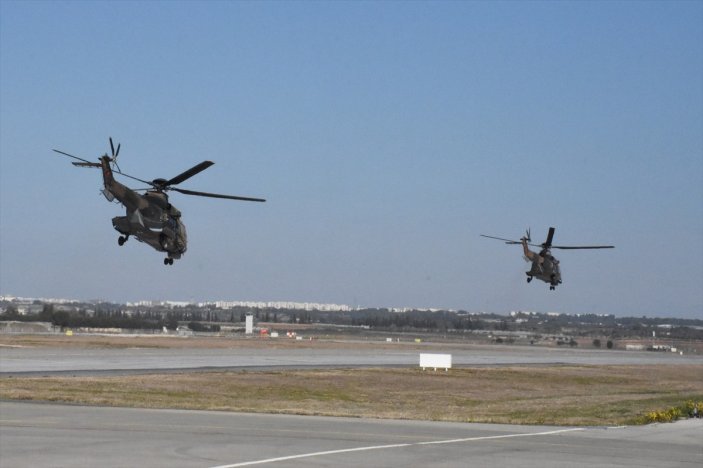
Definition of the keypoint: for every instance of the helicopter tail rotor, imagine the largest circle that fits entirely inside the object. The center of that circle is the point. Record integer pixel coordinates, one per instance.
(115, 154)
(527, 237)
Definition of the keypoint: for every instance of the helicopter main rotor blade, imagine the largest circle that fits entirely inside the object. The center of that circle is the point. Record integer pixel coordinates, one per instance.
(550, 236)
(189, 173)
(134, 178)
(580, 247)
(74, 157)
(217, 195)
(509, 241)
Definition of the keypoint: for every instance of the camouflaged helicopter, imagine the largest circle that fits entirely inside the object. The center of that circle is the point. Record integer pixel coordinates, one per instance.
(150, 218)
(545, 266)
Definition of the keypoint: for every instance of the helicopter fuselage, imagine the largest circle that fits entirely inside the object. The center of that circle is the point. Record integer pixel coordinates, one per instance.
(545, 266)
(150, 217)
(547, 270)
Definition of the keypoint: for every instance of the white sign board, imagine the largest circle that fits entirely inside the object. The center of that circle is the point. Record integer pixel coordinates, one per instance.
(442, 361)
(249, 325)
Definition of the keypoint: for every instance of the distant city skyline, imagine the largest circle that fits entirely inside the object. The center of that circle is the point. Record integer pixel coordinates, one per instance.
(220, 304)
(306, 306)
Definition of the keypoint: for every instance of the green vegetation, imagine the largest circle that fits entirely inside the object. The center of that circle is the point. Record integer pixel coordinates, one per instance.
(673, 413)
(105, 317)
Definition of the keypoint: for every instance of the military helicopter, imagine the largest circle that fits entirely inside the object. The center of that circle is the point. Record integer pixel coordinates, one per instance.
(544, 265)
(150, 217)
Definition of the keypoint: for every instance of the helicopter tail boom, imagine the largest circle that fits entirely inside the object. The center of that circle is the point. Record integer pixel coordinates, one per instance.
(129, 198)
(108, 178)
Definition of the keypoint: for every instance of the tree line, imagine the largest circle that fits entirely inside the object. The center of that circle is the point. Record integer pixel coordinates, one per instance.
(107, 315)
(101, 318)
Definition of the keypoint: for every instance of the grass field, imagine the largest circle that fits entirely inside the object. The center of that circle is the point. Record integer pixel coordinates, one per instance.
(558, 395)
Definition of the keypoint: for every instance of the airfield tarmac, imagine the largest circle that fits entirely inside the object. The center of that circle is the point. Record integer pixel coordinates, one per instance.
(28, 360)
(36, 434)
(42, 434)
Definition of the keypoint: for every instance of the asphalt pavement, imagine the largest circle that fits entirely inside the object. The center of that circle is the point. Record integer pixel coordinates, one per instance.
(36, 434)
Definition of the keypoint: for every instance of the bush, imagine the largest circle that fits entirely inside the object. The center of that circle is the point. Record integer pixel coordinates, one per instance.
(671, 414)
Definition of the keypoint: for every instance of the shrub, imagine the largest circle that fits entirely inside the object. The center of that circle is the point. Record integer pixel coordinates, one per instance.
(671, 414)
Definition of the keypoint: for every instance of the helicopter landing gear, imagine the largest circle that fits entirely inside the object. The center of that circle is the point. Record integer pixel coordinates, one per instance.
(168, 261)
(552, 287)
(529, 278)
(122, 239)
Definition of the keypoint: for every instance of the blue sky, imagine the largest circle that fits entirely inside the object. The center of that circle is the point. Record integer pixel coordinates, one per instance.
(386, 137)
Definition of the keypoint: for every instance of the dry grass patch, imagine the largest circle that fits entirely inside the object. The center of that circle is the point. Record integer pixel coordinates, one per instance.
(569, 395)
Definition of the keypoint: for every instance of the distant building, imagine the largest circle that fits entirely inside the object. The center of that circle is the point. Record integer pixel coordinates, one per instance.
(309, 306)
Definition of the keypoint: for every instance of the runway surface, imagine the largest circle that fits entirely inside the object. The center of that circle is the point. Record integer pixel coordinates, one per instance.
(34, 435)
(46, 360)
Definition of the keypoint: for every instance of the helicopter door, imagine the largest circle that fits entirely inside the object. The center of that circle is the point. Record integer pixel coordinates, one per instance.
(181, 236)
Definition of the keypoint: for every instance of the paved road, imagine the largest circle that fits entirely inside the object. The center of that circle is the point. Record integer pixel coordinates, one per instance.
(34, 435)
(17, 360)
